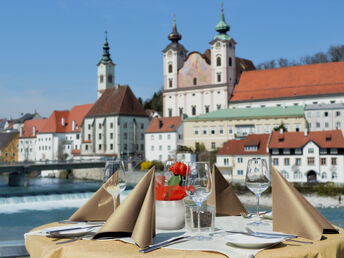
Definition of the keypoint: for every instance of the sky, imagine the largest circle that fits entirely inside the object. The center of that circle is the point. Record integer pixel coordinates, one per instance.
(49, 49)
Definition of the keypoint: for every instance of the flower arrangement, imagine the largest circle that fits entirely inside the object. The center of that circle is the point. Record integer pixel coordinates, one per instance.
(174, 190)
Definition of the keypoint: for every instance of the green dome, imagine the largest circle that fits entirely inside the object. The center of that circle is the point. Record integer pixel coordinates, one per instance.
(222, 27)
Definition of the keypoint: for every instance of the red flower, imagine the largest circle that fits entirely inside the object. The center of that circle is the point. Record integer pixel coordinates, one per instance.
(179, 168)
(178, 193)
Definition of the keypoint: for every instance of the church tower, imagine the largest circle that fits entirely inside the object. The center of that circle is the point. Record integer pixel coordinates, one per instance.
(106, 70)
(223, 55)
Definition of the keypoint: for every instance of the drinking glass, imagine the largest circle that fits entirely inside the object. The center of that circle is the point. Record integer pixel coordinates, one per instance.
(198, 187)
(117, 184)
(257, 180)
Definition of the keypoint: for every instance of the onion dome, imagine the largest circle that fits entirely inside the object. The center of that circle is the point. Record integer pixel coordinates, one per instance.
(106, 53)
(222, 27)
(174, 36)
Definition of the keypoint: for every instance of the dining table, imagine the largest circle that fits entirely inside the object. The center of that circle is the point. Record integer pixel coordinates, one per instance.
(331, 245)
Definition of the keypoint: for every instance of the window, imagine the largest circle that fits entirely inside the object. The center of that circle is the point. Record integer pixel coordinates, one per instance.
(99, 147)
(323, 151)
(298, 151)
(239, 159)
(326, 124)
(152, 148)
(205, 130)
(226, 161)
(285, 174)
(160, 137)
(160, 157)
(310, 161)
(317, 125)
(125, 147)
(317, 113)
(323, 161)
(218, 61)
(218, 77)
(111, 135)
(338, 125)
(323, 175)
(180, 111)
(100, 126)
(230, 61)
(267, 128)
(334, 161)
(110, 78)
(230, 129)
(86, 147)
(89, 127)
(337, 113)
(221, 130)
(160, 147)
(125, 136)
(334, 151)
(298, 162)
(258, 129)
(170, 112)
(311, 150)
(169, 147)
(168, 137)
(309, 114)
(297, 175)
(286, 161)
(142, 136)
(170, 69)
(111, 146)
(212, 130)
(206, 109)
(240, 172)
(142, 147)
(101, 78)
(170, 83)
(100, 136)
(286, 151)
(193, 110)
(275, 151)
(194, 81)
(196, 130)
(89, 137)
(125, 125)
(275, 161)
(218, 106)
(334, 175)
(111, 125)
(325, 114)
(213, 145)
(142, 125)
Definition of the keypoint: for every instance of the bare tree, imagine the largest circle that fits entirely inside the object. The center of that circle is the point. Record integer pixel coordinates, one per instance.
(336, 53)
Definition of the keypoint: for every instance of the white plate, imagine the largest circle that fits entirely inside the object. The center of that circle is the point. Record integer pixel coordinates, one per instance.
(267, 215)
(247, 241)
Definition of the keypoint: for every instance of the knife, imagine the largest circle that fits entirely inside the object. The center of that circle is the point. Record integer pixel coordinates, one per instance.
(159, 245)
(262, 233)
(68, 229)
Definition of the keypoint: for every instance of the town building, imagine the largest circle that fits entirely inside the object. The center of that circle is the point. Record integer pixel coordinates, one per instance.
(233, 157)
(321, 117)
(9, 147)
(309, 157)
(115, 125)
(290, 86)
(215, 128)
(59, 138)
(28, 139)
(162, 138)
(198, 83)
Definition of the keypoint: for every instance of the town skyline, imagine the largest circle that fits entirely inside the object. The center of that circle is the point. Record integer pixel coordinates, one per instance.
(59, 44)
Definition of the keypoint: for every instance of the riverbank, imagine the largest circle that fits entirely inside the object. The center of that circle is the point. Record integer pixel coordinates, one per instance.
(315, 200)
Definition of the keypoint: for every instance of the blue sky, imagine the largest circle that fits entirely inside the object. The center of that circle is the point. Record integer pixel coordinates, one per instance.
(49, 49)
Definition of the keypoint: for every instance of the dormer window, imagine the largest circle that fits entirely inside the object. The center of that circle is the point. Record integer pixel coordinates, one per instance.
(63, 123)
(170, 69)
(251, 148)
(73, 125)
(218, 61)
(194, 81)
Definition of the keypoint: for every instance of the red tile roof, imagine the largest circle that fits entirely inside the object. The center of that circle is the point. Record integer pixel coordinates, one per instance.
(119, 100)
(237, 147)
(290, 140)
(293, 81)
(27, 129)
(77, 114)
(164, 124)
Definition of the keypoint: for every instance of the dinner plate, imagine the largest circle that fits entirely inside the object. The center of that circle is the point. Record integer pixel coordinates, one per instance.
(247, 241)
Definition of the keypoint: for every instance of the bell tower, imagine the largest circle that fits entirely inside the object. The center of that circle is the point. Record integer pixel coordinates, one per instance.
(106, 70)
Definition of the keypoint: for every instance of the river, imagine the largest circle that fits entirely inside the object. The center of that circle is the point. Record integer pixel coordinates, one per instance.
(50, 199)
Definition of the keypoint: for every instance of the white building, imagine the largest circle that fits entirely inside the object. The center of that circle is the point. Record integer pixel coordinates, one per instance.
(290, 86)
(232, 158)
(28, 139)
(162, 138)
(302, 157)
(322, 117)
(198, 83)
(115, 125)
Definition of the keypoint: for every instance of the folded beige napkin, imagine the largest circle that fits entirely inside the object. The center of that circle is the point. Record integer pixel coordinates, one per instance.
(100, 206)
(135, 216)
(223, 197)
(293, 214)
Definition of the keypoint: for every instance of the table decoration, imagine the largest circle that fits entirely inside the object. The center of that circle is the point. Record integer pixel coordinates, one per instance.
(293, 214)
(135, 217)
(223, 197)
(170, 212)
(99, 207)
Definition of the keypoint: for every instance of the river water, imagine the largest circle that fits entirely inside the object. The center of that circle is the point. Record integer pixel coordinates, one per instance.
(49, 199)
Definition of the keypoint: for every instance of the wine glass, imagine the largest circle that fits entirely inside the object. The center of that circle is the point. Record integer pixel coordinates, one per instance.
(198, 187)
(257, 180)
(114, 184)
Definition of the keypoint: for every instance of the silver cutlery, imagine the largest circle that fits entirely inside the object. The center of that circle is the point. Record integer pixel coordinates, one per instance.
(69, 240)
(165, 243)
(69, 229)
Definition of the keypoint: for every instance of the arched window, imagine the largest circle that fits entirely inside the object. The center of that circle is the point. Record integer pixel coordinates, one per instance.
(194, 81)
(170, 69)
(334, 175)
(218, 61)
(230, 61)
(170, 83)
(101, 78)
(323, 175)
(285, 174)
(193, 110)
(218, 77)
(110, 78)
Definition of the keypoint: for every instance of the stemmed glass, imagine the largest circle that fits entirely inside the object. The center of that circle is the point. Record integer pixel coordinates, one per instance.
(116, 184)
(257, 180)
(198, 187)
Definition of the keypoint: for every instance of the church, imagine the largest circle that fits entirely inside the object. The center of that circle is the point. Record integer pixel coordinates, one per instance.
(196, 83)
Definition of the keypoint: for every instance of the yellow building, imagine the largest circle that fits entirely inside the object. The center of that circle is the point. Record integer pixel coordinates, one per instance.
(9, 147)
(215, 128)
